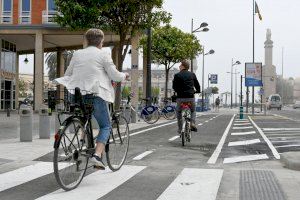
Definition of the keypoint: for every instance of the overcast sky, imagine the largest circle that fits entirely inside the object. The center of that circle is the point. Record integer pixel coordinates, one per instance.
(230, 35)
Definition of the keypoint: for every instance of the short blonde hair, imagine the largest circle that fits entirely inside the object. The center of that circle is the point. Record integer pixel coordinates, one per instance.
(94, 37)
(185, 64)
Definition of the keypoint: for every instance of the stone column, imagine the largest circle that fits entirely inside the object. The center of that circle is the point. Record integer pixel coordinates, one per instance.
(135, 73)
(17, 80)
(38, 71)
(60, 71)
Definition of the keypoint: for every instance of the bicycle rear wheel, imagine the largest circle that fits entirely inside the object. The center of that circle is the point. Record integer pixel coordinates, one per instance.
(118, 144)
(169, 112)
(70, 160)
(183, 134)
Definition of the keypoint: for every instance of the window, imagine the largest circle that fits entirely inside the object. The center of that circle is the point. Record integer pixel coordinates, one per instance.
(25, 11)
(51, 5)
(6, 12)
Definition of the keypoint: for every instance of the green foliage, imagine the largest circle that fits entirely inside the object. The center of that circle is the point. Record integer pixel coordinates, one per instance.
(126, 91)
(215, 90)
(155, 91)
(22, 88)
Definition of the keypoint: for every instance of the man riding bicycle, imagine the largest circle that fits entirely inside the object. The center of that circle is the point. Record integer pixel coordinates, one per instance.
(92, 69)
(184, 84)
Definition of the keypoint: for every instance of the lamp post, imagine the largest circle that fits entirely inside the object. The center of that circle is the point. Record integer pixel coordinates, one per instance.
(204, 54)
(201, 28)
(232, 64)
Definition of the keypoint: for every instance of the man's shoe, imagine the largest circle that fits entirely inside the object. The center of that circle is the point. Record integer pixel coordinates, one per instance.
(98, 162)
(193, 127)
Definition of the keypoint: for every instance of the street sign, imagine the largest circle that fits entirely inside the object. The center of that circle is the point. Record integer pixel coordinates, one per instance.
(253, 74)
(214, 78)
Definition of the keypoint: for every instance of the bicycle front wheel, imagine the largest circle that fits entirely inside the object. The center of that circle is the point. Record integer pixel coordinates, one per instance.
(118, 144)
(169, 112)
(70, 160)
(150, 114)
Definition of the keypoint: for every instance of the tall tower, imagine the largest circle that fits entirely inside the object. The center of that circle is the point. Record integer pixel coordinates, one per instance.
(269, 70)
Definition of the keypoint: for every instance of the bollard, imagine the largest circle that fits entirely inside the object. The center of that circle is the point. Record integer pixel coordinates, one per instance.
(241, 112)
(25, 124)
(8, 112)
(44, 125)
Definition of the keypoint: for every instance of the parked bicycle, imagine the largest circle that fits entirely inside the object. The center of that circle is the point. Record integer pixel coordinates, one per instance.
(75, 144)
(151, 113)
(186, 133)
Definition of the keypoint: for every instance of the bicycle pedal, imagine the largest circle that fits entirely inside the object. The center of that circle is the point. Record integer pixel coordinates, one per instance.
(99, 167)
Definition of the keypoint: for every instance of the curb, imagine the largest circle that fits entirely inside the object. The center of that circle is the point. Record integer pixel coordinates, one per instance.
(291, 160)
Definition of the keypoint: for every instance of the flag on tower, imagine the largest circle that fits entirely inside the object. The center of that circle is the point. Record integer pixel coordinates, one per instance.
(257, 11)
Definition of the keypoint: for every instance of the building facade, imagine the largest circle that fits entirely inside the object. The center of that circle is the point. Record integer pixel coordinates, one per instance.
(28, 27)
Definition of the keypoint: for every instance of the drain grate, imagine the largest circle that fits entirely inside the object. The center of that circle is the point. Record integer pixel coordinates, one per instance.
(259, 185)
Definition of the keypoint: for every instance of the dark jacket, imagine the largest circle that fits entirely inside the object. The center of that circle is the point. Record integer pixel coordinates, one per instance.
(185, 84)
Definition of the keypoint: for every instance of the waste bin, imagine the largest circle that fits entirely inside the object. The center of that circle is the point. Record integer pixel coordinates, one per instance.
(25, 124)
(44, 123)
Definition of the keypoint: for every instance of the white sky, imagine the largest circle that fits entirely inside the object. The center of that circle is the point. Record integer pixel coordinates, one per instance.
(230, 35)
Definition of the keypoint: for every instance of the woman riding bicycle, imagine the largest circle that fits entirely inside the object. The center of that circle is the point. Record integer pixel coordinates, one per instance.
(184, 84)
(92, 69)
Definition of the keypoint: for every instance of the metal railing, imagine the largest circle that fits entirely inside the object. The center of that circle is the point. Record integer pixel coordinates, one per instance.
(6, 17)
(25, 17)
(48, 16)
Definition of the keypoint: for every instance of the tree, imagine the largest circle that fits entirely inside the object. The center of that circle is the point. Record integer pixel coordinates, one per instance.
(126, 91)
(51, 60)
(170, 46)
(22, 88)
(124, 17)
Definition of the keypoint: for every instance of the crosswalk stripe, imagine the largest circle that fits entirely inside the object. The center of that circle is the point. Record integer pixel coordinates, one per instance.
(274, 151)
(193, 184)
(25, 174)
(291, 145)
(241, 120)
(246, 127)
(141, 156)
(244, 124)
(283, 135)
(281, 129)
(96, 185)
(245, 158)
(281, 132)
(174, 138)
(200, 124)
(244, 142)
(243, 133)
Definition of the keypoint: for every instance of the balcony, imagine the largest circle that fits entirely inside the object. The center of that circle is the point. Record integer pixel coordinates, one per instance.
(48, 16)
(6, 17)
(25, 17)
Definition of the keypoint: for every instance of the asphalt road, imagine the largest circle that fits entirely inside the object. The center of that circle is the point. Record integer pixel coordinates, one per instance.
(215, 165)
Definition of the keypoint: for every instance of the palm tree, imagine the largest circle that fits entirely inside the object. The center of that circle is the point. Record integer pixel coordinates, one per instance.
(51, 60)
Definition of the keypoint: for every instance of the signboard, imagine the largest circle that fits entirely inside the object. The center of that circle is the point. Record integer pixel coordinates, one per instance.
(253, 74)
(214, 78)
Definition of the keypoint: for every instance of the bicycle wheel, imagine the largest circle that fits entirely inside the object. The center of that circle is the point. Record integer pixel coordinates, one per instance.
(183, 135)
(150, 114)
(169, 112)
(118, 144)
(70, 160)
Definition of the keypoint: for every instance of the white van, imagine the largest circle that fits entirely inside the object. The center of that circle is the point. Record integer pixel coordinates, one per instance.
(274, 101)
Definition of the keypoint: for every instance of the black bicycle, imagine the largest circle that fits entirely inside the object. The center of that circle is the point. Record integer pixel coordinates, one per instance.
(75, 142)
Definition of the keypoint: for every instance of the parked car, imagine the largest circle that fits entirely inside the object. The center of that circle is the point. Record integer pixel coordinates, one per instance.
(274, 101)
(296, 105)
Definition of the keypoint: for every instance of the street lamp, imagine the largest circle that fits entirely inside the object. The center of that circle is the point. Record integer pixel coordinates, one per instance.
(201, 28)
(232, 64)
(235, 73)
(204, 54)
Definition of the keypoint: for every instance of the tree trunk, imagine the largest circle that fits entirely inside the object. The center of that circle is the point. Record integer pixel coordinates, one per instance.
(166, 84)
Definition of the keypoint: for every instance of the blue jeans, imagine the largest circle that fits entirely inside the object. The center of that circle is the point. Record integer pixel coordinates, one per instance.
(101, 113)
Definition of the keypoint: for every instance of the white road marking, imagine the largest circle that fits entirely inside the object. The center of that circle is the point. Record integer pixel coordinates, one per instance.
(174, 138)
(291, 145)
(245, 158)
(149, 129)
(206, 121)
(200, 124)
(274, 151)
(215, 155)
(210, 119)
(243, 133)
(96, 185)
(142, 155)
(281, 129)
(246, 127)
(241, 120)
(283, 138)
(284, 141)
(193, 184)
(283, 134)
(245, 142)
(243, 124)
(25, 174)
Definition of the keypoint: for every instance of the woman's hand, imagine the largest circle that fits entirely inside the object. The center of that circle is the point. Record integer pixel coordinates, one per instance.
(127, 76)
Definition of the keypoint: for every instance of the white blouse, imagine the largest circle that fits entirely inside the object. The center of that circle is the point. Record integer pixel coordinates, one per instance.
(92, 69)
